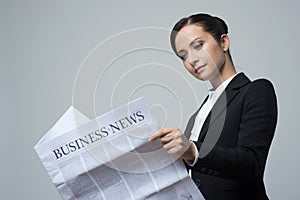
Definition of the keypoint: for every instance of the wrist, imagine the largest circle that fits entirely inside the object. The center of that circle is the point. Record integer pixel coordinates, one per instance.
(190, 152)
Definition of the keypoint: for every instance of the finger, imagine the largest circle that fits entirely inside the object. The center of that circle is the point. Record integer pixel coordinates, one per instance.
(166, 138)
(172, 151)
(159, 134)
(176, 146)
(174, 136)
(169, 145)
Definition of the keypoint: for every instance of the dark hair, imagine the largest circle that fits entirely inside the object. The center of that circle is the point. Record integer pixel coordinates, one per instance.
(211, 24)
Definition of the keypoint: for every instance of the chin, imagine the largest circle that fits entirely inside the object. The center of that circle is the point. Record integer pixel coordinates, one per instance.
(200, 77)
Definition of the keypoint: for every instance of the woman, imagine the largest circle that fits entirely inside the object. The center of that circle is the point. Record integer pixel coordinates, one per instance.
(226, 141)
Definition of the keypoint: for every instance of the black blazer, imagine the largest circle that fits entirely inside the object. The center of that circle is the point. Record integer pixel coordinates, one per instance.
(234, 141)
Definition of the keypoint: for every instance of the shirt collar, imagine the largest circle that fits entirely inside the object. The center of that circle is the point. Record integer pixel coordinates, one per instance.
(220, 88)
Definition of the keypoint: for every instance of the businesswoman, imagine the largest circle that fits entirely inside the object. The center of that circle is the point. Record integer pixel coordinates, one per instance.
(226, 141)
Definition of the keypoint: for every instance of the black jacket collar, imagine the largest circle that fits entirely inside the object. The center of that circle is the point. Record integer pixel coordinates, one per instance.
(232, 89)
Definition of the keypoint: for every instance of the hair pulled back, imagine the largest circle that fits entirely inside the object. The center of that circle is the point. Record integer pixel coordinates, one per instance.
(211, 24)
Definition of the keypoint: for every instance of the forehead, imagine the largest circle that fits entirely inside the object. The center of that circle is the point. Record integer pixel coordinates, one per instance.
(187, 34)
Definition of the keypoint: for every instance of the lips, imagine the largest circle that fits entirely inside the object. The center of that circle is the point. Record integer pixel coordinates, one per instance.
(198, 69)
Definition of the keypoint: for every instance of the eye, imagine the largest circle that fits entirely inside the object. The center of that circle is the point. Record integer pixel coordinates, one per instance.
(198, 45)
(182, 56)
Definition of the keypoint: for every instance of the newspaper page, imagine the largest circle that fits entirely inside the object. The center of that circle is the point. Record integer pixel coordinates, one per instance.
(110, 157)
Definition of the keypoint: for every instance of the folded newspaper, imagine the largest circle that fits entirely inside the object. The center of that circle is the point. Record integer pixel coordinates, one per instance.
(110, 157)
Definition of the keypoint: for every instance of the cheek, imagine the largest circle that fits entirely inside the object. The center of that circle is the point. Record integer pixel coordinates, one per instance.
(188, 66)
(216, 55)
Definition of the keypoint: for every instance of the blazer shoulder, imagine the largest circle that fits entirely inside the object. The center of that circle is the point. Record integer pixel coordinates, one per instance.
(261, 89)
(261, 84)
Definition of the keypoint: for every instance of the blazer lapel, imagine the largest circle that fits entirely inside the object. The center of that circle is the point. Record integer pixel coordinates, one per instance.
(223, 101)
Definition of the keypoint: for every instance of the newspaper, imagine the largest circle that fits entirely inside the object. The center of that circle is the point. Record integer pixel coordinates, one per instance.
(110, 158)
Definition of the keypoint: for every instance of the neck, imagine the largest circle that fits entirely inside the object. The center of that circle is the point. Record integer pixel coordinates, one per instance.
(225, 72)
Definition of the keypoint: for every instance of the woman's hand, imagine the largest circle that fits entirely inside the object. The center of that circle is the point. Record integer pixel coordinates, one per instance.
(175, 143)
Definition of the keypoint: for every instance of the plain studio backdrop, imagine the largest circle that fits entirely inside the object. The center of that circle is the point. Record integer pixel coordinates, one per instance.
(44, 45)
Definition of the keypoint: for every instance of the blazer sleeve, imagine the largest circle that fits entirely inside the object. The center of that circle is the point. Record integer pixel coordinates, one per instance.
(247, 160)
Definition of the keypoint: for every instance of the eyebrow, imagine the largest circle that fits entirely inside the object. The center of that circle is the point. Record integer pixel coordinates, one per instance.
(191, 44)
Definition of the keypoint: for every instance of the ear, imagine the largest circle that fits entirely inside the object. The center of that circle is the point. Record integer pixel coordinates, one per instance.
(225, 42)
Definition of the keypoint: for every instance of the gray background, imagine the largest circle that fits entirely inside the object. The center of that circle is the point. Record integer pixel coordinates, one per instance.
(43, 44)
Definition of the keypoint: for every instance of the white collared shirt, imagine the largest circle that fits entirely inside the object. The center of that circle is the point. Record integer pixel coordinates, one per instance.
(213, 96)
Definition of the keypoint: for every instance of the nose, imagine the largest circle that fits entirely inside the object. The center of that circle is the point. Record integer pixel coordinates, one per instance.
(193, 59)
